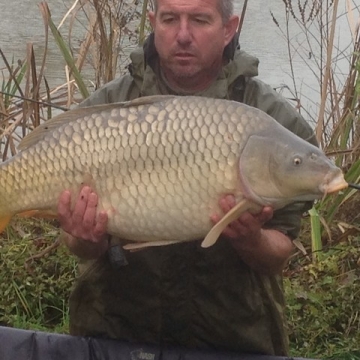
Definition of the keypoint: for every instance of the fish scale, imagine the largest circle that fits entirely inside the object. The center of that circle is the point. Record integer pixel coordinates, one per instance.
(159, 165)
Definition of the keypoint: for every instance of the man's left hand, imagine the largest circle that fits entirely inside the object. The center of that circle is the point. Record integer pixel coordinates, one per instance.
(264, 250)
(248, 226)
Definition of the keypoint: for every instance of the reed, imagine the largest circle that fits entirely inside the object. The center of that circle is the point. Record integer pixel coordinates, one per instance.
(110, 27)
(336, 122)
(321, 289)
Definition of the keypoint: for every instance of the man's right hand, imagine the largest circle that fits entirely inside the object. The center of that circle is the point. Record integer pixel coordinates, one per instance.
(87, 229)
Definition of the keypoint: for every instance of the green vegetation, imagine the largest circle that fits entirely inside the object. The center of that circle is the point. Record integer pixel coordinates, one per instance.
(322, 287)
(36, 276)
(323, 302)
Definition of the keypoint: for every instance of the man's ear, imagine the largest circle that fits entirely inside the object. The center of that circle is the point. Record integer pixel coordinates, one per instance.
(230, 28)
(152, 19)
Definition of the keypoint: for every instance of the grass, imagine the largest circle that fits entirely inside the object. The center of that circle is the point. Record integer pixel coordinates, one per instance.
(322, 288)
(35, 277)
(323, 301)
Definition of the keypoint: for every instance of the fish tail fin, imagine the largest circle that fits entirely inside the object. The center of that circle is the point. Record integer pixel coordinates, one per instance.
(4, 221)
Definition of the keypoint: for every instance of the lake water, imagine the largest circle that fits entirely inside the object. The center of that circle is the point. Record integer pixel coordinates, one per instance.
(21, 23)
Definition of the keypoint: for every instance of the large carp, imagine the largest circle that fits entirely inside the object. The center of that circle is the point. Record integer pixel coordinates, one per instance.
(160, 165)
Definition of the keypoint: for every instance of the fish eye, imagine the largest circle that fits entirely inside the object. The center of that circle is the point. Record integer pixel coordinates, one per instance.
(297, 160)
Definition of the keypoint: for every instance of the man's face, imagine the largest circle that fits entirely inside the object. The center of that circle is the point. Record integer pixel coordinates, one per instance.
(190, 36)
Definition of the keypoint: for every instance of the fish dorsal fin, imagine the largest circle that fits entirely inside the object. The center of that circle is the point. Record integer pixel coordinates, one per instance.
(232, 215)
(50, 125)
(47, 127)
(147, 100)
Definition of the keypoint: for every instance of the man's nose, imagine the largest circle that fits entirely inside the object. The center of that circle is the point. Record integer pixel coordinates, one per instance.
(184, 34)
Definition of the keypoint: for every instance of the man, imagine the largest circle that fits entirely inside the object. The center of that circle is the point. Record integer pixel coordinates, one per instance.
(228, 297)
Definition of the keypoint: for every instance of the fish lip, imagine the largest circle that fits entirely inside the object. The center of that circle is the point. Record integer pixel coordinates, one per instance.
(334, 185)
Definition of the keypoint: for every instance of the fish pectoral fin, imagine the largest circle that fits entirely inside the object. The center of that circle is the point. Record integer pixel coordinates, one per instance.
(300, 246)
(143, 245)
(4, 221)
(229, 217)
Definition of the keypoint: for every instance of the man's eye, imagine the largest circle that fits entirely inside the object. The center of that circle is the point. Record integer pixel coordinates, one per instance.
(200, 21)
(168, 20)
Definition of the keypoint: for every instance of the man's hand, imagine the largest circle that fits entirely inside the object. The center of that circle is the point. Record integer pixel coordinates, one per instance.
(248, 226)
(265, 250)
(86, 229)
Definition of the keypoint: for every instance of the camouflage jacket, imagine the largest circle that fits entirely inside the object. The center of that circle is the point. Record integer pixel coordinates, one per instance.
(181, 294)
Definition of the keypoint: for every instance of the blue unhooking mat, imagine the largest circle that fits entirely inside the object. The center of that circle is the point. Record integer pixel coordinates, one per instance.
(16, 344)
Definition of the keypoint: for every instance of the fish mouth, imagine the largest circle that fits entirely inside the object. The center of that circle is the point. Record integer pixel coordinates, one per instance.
(334, 185)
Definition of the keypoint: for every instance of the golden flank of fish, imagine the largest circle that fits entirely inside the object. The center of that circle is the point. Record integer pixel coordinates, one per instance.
(160, 165)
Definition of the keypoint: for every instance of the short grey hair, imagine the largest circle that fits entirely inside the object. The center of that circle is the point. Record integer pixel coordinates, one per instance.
(225, 7)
